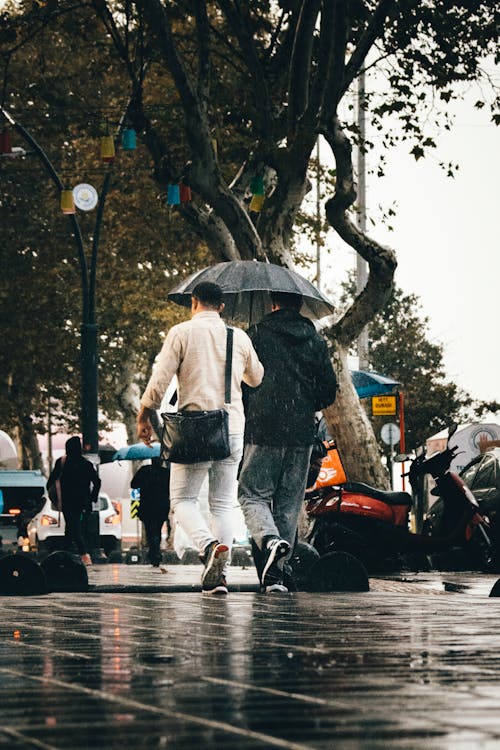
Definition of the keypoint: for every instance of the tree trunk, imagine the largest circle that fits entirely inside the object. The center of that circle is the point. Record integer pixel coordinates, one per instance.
(351, 428)
(28, 448)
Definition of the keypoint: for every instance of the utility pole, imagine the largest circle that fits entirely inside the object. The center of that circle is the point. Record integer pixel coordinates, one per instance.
(318, 217)
(361, 265)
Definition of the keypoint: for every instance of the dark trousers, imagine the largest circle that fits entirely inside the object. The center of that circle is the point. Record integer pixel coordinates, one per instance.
(73, 532)
(153, 527)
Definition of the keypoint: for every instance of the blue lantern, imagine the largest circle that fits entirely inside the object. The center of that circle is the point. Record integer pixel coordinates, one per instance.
(173, 195)
(128, 139)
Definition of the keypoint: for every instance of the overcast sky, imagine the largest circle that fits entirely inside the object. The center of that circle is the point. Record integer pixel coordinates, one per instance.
(447, 244)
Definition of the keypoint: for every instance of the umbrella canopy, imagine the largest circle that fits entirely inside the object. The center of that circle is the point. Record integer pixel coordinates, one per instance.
(371, 383)
(137, 452)
(246, 285)
(106, 452)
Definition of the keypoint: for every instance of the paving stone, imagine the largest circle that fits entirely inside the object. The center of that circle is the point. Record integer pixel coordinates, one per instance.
(142, 660)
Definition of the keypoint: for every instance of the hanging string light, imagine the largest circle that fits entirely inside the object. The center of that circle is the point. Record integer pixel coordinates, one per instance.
(173, 195)
(107, 148)
(5, 143)
(258, 193)
(256, 203)
(67, 201)
(184, 193)
(129, 139)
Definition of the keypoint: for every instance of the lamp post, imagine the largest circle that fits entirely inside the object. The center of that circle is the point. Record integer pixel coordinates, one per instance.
(89, 328)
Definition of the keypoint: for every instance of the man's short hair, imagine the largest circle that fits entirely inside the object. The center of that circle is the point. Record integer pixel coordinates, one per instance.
(208, 294)
(288, 300)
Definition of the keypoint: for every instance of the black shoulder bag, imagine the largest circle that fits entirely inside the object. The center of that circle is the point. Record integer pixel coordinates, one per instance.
(190, 437)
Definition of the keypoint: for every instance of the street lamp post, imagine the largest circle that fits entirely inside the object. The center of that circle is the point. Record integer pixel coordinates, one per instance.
(89, 327)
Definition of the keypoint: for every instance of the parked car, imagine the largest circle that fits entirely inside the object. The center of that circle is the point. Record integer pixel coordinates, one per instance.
(47, 527)
(482, 476)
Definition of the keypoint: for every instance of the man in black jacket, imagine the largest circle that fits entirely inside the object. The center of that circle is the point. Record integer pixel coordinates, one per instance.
(152, 481)
(280, 429)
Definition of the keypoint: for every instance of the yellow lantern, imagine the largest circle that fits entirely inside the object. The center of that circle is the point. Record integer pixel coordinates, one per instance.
(107, 148)
(67, 202)
(256, 203)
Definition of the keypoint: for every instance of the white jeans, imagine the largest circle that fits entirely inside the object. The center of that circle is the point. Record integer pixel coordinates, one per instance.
(186, 481)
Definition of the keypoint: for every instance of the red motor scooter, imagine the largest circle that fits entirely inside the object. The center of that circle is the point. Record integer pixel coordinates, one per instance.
(373, 525)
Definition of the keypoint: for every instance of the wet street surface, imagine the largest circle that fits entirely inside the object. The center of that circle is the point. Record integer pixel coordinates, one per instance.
(142, 660)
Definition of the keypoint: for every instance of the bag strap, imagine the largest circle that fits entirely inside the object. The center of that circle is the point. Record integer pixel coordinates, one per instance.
(229, 364)
(228, 370)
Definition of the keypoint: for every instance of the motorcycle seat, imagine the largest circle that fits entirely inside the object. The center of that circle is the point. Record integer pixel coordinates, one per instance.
(391, 498)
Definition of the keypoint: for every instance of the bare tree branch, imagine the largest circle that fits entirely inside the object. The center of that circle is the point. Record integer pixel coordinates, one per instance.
(381, 260)
(300, 64)
(368, 38)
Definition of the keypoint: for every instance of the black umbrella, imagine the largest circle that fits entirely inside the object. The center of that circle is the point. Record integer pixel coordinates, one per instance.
(246, 285)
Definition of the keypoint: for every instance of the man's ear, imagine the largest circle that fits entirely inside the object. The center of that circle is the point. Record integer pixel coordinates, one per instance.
(221, 307)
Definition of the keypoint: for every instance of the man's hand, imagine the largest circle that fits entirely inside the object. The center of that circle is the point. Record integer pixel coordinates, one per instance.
(144, 426)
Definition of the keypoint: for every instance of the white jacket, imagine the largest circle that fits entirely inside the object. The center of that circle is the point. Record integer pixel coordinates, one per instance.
(195, 351)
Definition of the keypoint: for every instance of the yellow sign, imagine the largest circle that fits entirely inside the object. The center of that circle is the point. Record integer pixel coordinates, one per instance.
(383, 405)
(134, 508)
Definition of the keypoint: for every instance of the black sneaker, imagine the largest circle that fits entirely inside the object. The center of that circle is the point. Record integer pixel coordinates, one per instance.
(214, 558)
(272, 573)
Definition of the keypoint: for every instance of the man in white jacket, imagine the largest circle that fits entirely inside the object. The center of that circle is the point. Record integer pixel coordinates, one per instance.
(195, 351)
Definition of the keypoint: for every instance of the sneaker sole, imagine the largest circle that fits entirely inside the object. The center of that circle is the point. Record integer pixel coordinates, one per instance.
(215, 567)
(217, 591)
(276, 588)
(278, 553)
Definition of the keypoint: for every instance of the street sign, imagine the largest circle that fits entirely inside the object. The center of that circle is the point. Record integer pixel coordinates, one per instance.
(134, 508)
(390, 433)
(384, 406)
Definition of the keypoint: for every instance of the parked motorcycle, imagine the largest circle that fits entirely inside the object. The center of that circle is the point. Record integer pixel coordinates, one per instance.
(373, 524)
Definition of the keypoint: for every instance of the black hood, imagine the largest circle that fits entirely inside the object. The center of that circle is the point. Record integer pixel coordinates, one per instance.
(289, 324)
(73, 447)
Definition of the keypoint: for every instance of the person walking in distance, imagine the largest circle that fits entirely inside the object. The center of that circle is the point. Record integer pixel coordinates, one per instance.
(80, 486)
(153, 481)
(195, 351)
(280, 429)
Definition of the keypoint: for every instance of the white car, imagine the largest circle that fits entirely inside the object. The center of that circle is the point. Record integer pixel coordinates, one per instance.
(47, 527)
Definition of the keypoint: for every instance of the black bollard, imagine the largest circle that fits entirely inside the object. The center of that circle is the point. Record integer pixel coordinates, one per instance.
(20, 575)
(495, 591)
(65, 572)
(337, 571)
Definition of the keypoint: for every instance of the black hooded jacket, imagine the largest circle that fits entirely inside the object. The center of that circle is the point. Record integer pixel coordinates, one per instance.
(76, 475)
(298, 381)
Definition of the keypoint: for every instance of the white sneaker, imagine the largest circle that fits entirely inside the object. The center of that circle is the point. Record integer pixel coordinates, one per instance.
(276, 588)
(272, 573)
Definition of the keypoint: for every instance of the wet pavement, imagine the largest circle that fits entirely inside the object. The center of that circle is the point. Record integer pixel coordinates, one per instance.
(142, 660)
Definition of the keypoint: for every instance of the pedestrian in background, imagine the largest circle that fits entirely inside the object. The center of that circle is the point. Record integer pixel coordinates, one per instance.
(195, 351)
(80, 486)
(153, 481)
(280, 431)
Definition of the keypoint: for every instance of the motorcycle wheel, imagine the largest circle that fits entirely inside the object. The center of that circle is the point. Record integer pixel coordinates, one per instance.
(337, 571)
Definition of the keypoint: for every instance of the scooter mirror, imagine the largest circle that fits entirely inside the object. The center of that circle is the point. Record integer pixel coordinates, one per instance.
(452, 429)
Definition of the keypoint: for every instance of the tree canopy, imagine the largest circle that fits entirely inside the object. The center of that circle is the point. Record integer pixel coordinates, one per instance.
(246, 89)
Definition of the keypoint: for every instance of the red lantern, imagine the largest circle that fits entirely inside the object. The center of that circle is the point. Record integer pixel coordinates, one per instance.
(185, 193)
(5, 144)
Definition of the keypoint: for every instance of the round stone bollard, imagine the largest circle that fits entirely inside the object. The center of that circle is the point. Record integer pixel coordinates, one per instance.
(495, 591)
(65, 572)
(337, 571)
(20, 575)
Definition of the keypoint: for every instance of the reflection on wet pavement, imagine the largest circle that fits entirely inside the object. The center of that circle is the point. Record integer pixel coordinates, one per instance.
(398, 667)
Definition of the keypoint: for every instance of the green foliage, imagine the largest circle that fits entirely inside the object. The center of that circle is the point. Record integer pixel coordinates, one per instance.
(399, 347)
(143, 246)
